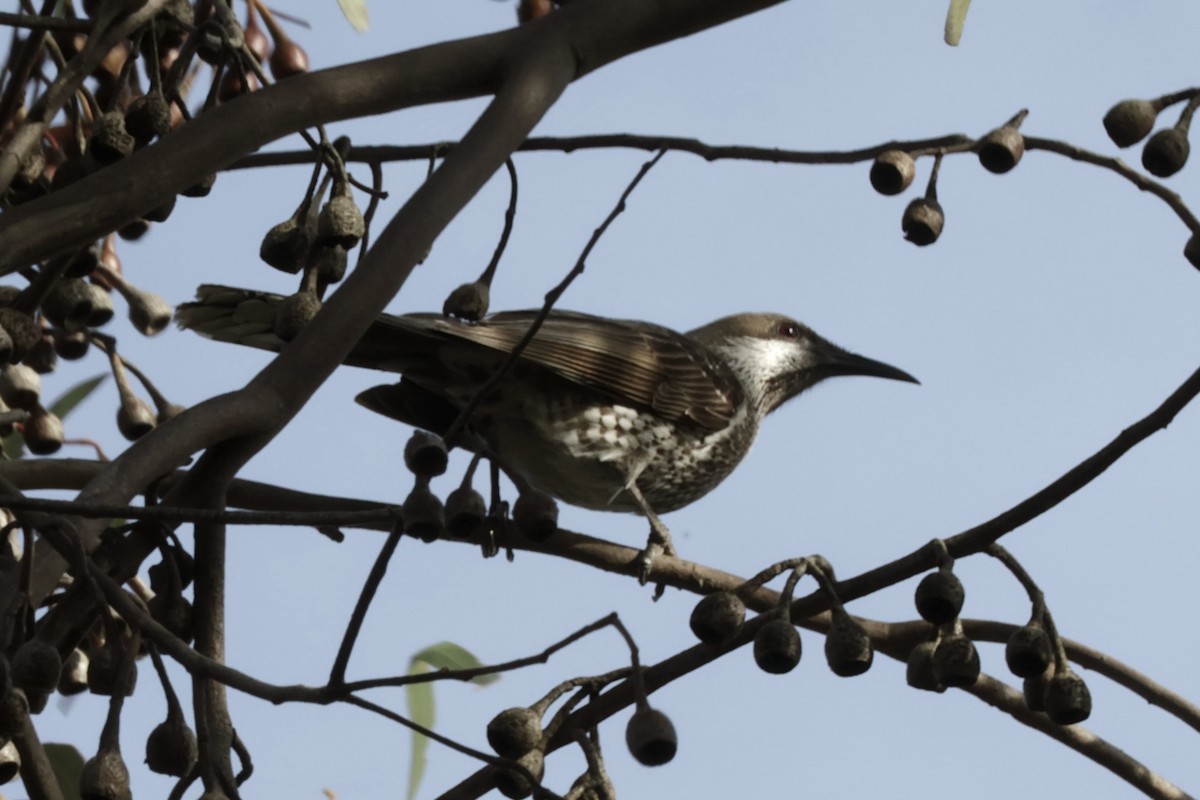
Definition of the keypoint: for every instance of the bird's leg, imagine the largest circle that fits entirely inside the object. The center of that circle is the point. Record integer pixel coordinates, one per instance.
(659, 542)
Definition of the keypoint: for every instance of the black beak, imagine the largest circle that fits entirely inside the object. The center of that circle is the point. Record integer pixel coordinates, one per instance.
(836, 361)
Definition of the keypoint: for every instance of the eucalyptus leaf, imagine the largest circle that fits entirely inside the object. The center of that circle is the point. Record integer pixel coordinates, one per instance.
(956, 17)
(355, 12)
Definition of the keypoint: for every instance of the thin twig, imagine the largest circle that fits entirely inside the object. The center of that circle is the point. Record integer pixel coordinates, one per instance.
(551, 298)
(367, 518)
(337, 676)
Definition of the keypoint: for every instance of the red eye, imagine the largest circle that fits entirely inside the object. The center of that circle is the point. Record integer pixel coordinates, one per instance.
(789, 330)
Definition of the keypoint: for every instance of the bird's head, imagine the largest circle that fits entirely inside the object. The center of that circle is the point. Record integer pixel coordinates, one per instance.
(777, 358)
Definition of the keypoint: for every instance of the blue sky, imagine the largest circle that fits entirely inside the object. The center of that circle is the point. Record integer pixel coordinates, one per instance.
(1056, 310)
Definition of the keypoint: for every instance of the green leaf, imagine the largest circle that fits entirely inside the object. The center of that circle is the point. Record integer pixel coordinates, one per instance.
(67, 763)
(64, 404)
(448, 655)
(356, 13)
(956, 17)
(419, 697)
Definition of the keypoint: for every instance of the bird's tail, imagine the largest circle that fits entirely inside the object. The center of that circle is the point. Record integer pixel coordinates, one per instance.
(251, 318)
(227, 314)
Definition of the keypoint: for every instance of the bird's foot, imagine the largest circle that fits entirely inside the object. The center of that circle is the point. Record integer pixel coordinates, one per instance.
(658, 544)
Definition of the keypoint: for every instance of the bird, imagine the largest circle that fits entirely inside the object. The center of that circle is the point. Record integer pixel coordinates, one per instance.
(606, 414)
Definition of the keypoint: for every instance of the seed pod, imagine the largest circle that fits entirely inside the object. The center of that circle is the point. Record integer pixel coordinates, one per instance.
(423, 514)
(1130, 121)
(166, 411)
(892, 172)
(1067, 698)
(24, 332)
(37, 701)
(135, 418)
(718, 617)
(288, 59)
(174, 612)
(36, 666)
(10, 762)
(68, 304)
(956, 661)
(73, 678)
(83, 262)
(44, 432)
(514, 732)
(939, 597)
(20, 387)
(110, 141)
(254, 36)
(469, 302)
(202, 187)
(110, 669)
(465, 512)
(148, 312)
(161, 579)
(294, 313)
(848, 649)
(1034, 689)
(1001, 149)
(171, 747)
(425, 454)
(923, 221)
(340, 221)
(161, 211)
(148, 117)
(329, 262)
(1028, 651)
(285, 247)
(777, 647)
(234, 84)
(102, 306)
(651, 737)
(14, 710)
(529, 10)
(105, 777)
(1191, 250)
(70, 346)
(132, 231)
(41, 359)
(1166, 152)
(514, 784)
(536, 515)
(919, 672)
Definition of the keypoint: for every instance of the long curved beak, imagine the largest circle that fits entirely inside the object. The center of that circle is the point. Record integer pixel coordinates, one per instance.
(836, 361)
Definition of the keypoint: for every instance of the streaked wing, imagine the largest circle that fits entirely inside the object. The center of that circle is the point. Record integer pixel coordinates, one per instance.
(634, 362)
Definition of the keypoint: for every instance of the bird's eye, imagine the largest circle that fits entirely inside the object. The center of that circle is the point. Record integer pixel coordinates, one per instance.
(789, 330)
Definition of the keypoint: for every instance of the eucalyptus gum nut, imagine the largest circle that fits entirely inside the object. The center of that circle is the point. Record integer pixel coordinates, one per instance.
(1001, 149)
(536, 515)
(1166, 152)
(514, 732)
(717, 617)
(939, 597)
(650, 737)
(1067, 699)
(892, 172)
(1130, 121)
(777, 647)
(923, 221)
